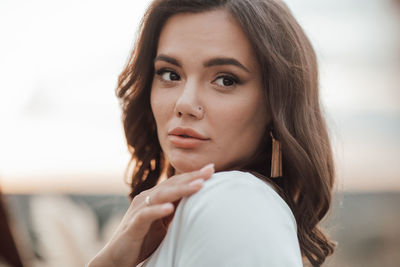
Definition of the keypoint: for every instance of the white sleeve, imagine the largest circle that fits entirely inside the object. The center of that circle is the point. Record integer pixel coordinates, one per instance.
(236, 220)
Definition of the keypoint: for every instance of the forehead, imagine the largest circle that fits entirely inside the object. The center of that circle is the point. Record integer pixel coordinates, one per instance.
(206, 34)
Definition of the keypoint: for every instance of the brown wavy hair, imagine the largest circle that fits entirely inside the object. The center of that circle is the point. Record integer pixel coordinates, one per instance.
(290, 79)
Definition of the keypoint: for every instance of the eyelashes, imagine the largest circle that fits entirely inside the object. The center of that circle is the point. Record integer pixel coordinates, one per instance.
(168, 75)
(224, 80)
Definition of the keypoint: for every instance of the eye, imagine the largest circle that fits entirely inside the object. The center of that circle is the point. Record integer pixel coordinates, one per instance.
(168, 75)
(226, 81)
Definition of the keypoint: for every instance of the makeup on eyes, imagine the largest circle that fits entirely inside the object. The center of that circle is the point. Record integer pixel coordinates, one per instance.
(163, 71)
(226, 79)
(220, 68)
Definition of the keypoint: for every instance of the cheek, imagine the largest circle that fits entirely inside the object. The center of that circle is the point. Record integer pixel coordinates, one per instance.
(242, 117)
(160, 106)
(157, 108)
(242, 125)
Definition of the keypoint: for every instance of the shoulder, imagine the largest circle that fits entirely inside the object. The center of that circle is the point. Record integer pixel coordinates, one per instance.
(241, 192)
(236, 219)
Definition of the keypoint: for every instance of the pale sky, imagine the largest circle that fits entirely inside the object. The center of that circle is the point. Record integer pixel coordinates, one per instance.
(60, 128)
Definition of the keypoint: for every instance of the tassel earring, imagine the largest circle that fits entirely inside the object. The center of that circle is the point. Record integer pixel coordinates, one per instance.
(276, 158)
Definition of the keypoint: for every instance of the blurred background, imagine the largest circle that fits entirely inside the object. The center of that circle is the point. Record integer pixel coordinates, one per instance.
(62, 147)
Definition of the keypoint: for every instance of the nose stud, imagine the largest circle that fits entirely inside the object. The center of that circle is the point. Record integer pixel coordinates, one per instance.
(195, 112)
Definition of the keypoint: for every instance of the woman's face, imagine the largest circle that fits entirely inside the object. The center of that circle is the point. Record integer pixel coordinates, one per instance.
(207, 96)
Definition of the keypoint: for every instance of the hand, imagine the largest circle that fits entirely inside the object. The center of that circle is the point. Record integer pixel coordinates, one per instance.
(143, 226)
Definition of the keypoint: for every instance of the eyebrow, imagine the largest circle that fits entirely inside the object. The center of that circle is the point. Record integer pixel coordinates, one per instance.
(168, 59)
(218, 61)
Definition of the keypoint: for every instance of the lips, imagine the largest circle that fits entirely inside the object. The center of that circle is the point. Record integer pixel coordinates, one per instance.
(186, 138)
(187, 133)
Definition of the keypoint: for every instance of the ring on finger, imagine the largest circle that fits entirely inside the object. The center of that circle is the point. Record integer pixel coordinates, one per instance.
(147, 200)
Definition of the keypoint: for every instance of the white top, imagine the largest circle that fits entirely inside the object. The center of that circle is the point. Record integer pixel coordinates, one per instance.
(235, 220)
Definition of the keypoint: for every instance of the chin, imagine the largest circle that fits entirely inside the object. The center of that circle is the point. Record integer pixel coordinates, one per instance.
(183, 164)
(182, 167)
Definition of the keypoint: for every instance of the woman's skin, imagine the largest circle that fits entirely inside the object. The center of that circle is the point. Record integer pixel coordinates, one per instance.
(206, 83)
(194, 69)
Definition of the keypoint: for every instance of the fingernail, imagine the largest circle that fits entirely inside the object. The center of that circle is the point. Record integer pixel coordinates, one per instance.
(167, 206)
(206, 168)
(196, 183)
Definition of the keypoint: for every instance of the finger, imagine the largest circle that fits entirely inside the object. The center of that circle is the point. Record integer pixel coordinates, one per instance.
(170, 191)
(204, 173)
(176, 192)
(144, 217)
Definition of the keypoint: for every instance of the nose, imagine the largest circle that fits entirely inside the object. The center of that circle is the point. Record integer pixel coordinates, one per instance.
(188, 103)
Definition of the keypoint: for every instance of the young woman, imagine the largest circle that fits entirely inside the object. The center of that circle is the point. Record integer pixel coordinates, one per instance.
(229, 86)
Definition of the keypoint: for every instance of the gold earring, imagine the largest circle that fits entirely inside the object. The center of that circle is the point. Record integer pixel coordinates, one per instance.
(276, 158)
